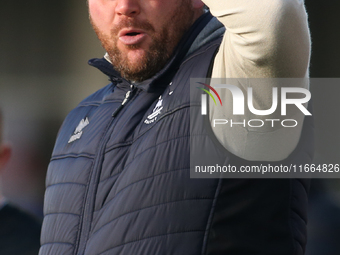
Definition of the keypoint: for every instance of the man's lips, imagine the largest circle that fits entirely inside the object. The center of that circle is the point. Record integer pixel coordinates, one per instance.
(131, 36)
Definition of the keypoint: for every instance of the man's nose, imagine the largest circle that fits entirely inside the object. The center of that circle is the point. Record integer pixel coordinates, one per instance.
(128, 8)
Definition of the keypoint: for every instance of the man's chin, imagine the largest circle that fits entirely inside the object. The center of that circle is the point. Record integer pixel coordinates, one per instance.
(135, 56)
(139, 62)
(132, 64)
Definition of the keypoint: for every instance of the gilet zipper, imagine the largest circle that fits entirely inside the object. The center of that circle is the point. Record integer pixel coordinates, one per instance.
(86, 220)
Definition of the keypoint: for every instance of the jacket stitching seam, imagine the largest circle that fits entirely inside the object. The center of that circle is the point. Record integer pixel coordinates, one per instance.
(291, 223)
(140, 180)
(201, 52)
(166, 114)
(63, 156)
(144, 151)
(96, 104)
(298, 214)
(148, 207)
(64, 213)
(62, 243)
(290, 216)
(138, 240)
(134, 140)
(181, 137)
(210, 219)
(65, 183)
(161, 143)
(112, 176)
(98, 160)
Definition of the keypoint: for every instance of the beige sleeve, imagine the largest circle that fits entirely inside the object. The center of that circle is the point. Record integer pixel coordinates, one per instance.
(263, 39)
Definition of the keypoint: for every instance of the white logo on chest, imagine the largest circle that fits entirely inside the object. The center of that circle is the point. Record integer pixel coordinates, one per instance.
(156, 111)
(79, 130)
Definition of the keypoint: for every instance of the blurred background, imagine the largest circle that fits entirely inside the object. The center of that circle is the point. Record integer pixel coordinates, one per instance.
(44, 49)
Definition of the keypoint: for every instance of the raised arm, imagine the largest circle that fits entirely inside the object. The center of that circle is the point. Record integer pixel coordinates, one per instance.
(263, 39)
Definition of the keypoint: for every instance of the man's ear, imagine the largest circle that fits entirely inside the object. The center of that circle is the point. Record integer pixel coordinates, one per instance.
(197, 4)
(5, 155)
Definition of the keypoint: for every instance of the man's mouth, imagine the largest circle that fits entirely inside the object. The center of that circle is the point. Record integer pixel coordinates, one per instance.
(132, 33)
(131, 36)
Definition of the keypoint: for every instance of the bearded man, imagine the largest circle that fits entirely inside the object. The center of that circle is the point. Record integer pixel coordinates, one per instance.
(119, 178)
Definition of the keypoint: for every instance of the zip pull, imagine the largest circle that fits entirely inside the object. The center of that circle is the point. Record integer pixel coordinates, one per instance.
(127, 95)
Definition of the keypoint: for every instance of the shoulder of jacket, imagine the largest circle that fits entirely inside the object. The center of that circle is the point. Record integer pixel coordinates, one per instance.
(205, 49)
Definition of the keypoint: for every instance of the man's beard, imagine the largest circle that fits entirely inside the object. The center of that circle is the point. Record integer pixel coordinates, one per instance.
(159, 51)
